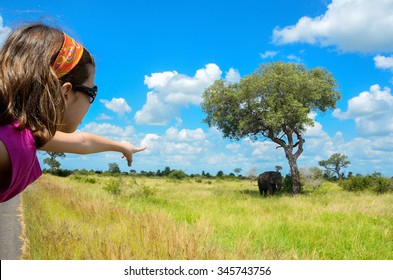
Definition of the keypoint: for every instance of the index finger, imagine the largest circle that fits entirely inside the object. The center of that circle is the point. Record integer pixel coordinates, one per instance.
(140, 149)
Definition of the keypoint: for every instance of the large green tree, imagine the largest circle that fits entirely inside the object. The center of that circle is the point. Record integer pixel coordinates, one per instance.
(272, 103)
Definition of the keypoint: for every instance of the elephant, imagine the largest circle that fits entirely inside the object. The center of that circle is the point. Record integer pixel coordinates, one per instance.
(269, 181)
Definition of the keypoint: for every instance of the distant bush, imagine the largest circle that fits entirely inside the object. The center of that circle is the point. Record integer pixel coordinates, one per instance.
(382, 185)
(375, 183)
(198, 180)
(311, 178)
(177, 174)
(83, 172)
(83, 179)
(113, 187)
(62, 172)
(127, 188)
(143, 191)
(356, 183)
(58, 172)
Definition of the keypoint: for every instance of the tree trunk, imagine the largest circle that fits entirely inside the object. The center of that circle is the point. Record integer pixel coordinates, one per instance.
(292, 158)
(294, 173)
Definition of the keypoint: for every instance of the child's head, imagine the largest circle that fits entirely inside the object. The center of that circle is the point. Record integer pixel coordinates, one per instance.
(31, 91)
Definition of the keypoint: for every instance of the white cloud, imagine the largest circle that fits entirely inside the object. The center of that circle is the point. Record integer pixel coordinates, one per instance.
(268, 54)
(4, 32)
(384, 62)
(155, 111)
(176, 148)
(171, 91)
(159, 80)
(233, 146)
(117, 105)
(217, 159)
(232, 76)
(319, 145)
(294, 58)
(185, 135)
(149, 141)
(265, 150)
(369, 154)
(316, 130)
(109, 130)
(102, 117)
(179, 121)
(372, 111)
(351, 25)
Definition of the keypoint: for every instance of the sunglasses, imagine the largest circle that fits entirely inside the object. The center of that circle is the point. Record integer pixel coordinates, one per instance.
(91, 92)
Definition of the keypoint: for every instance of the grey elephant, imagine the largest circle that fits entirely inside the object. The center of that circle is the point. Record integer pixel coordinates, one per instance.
(269, 181)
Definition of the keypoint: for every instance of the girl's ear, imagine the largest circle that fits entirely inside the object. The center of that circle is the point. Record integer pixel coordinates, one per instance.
(66, 89)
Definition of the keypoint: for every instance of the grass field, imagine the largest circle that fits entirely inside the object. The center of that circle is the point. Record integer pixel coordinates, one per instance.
(144, 218)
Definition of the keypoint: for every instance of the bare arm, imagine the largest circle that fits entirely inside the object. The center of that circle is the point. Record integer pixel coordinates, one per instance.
(5, 166)
(85, 143)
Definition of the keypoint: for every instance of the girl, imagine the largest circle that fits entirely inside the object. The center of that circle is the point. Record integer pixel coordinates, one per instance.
(46, 88)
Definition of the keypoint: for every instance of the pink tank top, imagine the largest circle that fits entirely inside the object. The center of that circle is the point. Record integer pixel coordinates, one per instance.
(25, 166)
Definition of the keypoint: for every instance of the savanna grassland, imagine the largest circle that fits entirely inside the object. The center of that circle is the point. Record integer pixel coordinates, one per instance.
(98, 217)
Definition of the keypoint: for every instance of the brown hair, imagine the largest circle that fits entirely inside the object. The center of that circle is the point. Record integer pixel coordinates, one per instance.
(29, 89)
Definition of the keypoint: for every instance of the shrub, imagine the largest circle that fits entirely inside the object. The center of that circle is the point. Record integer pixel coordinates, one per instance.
(355, 184)
(144, 191)
(113, 187)
(311, 177)
(83, 172)
(382, 185)
(177, 174)
(62, 172)
(198, 180)
(287, 186)
(127, 188)
(83, 179)
(374, 183)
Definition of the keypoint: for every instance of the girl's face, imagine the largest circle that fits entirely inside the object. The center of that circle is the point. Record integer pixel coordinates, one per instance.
(77, 104)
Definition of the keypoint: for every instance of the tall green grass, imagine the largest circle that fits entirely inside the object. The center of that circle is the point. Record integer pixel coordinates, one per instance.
(146, 218)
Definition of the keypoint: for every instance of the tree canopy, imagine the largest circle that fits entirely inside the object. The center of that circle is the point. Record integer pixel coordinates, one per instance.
(53, 163)
(334, 164)
(274, 102)
(113, 168)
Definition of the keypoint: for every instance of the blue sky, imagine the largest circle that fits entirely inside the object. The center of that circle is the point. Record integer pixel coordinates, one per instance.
(154, 58)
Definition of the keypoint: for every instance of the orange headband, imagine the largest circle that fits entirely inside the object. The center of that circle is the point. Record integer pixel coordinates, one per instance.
(69, 55)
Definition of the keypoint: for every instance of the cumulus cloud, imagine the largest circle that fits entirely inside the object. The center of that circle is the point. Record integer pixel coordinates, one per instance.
(4, 32)
(102, 117)
(372, 111)
(268, 54)
(319, 145)
(117, 105)
(109, 130)
(316, 130)
(233, 146)
(294, 58)
(155, 111)
(177, 148)
(232, 76)
(383, 62)
(171, 91)
(265, 150)
(185, 135)
(351, 25)
(150, 141)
